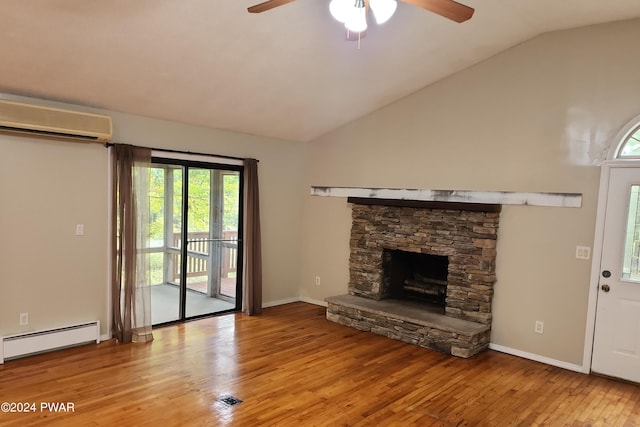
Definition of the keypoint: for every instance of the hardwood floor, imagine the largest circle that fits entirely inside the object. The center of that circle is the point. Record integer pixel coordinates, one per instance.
(293, 368)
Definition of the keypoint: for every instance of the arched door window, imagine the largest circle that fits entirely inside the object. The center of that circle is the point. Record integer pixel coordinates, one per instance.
(629, 148)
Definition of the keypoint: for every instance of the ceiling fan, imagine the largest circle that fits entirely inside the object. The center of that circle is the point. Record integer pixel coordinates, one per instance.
(353, 12)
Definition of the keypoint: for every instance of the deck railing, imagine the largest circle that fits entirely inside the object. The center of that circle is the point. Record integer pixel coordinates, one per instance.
(199, 249)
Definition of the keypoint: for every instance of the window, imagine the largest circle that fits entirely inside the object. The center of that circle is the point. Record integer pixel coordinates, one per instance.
(630, 147)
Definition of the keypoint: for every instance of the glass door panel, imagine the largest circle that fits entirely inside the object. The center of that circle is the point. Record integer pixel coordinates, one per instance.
(193, 250)
(631, 267)
(207, 251)
(165, 210)
(229, 241)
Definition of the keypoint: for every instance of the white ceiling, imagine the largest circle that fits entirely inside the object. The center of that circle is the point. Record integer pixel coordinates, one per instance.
(286, 73)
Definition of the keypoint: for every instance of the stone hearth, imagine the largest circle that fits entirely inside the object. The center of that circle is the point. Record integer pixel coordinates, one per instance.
(465, 234)
(410, 322)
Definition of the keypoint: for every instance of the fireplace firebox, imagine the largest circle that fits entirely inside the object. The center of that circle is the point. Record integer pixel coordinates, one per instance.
(416, 276)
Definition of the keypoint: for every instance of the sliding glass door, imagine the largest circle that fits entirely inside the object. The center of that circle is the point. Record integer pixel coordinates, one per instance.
(196, 232)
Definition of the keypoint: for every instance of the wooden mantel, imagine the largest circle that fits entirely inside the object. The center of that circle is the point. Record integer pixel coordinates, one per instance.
(563, 200)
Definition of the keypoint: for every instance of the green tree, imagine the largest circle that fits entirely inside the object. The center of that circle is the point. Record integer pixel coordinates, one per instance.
(156, 203)
(199, 200)
(231, 187)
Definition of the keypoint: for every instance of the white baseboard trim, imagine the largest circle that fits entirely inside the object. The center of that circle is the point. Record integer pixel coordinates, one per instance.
(105, 337)
(279, 302)
(313, 301)
(537, 358)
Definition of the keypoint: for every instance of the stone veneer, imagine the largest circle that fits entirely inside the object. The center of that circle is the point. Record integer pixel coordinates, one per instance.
(467, 237)
(406, 321)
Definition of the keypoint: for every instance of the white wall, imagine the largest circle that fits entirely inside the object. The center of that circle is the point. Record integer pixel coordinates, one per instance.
(538, 117)
(46, 187)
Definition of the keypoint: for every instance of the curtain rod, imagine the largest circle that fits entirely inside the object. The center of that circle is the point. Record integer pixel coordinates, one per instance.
(111, 144)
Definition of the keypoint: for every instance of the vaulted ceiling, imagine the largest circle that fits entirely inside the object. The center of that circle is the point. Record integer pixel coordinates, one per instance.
(286, 73)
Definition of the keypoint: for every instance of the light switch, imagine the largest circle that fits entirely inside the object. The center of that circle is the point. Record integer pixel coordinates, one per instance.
(583, 252)
(79, 229)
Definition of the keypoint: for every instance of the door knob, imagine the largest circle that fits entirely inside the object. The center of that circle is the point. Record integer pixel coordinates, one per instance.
(605, 288)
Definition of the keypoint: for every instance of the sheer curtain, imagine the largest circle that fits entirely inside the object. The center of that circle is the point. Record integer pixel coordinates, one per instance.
(252, 277)
(130, 289)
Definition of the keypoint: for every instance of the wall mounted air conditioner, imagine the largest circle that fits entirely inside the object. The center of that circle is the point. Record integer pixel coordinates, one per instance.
(16, 117)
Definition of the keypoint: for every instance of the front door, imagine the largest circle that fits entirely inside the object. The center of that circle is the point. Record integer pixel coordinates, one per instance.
(616, 346)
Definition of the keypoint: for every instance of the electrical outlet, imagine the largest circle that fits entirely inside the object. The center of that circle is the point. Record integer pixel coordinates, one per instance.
(79, 229)
(539, 327)
(24, 319)
(317, 280)
(583, 252)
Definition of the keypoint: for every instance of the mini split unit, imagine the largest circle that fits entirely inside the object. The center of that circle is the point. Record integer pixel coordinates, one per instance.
(16, 117)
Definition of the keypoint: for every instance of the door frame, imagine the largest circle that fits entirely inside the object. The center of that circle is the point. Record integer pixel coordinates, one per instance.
(188, 162)
(612, 162)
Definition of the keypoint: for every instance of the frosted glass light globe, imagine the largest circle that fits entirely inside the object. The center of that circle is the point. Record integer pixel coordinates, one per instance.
(383, 9)
(340, 9)
(356, 20)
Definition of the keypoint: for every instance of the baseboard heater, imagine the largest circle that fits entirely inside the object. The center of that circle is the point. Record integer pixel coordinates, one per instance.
(28, 343)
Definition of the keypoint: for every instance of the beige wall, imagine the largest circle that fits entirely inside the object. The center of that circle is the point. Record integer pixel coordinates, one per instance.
(539, 118)
(46, 187)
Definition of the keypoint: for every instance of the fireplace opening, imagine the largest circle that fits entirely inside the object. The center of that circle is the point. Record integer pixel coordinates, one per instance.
(416, 276)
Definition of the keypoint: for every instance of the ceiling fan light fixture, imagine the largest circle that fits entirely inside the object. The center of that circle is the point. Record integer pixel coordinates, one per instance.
(340, 9)
(356, 17)
(383, 9)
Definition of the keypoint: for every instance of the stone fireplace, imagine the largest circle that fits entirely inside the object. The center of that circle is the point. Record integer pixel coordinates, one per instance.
(421, 272)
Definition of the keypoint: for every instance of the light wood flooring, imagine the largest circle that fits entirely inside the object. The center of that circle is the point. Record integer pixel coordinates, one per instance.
(293, 368)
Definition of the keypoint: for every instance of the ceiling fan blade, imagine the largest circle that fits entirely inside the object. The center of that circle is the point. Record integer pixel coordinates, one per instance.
(270, 4)
(447, 8)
